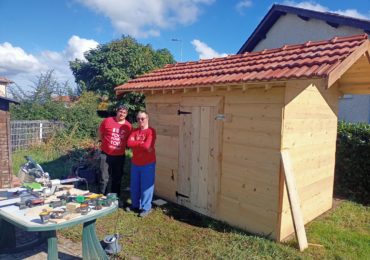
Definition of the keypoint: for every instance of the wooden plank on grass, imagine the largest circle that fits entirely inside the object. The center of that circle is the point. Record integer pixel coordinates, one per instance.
(294, 201)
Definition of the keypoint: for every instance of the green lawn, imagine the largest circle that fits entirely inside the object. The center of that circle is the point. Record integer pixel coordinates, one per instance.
(173, 232)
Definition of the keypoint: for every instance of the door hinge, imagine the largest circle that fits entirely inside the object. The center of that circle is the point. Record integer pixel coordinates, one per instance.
(181, 195)
(179, 112)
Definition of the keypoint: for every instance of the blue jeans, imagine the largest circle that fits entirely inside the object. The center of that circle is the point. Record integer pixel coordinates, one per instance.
(142, 186)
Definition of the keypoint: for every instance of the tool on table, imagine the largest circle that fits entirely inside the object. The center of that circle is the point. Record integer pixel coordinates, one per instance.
(32, 175)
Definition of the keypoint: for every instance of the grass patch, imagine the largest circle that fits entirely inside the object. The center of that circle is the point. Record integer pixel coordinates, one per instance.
(173, 232)
(345, 233)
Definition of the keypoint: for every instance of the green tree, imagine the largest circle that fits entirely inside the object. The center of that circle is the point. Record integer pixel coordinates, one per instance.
(114, 63)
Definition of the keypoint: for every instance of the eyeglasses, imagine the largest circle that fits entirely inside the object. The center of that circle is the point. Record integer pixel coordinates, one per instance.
(140, 118)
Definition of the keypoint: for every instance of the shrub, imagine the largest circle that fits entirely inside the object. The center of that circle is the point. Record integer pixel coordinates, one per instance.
(82, 116)
(80, 120)
(352, 171)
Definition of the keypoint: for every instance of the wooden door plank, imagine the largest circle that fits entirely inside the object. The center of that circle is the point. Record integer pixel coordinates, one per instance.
(204, 144)
(194, 155)
(185, 147)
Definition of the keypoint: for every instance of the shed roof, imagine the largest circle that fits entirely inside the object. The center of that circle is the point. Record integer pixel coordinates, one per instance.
(277, 11)
(5, 80)
(308, 60)
(8, 100)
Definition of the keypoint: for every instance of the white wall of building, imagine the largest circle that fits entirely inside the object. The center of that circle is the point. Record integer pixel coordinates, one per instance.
(2, 90)
(290, 29)
(351, 108)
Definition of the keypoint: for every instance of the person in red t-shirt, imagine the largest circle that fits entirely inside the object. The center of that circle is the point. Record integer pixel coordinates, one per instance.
(142, 141)
(113, 134)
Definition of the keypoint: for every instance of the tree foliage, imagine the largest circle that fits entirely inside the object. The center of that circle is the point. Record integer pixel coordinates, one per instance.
(38, 104)
(114, 63)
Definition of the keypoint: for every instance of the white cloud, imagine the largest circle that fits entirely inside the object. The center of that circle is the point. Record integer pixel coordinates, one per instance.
(23, 68)
(317, 7)
(78, 46)
(307, 5)
(352, 13)
(204, 51)
(144, 18)
(15, 60)
(241, 5)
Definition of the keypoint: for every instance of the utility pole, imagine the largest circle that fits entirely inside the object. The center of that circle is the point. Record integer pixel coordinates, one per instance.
(180, 41)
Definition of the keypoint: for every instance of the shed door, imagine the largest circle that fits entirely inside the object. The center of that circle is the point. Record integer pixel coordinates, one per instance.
(199, 155)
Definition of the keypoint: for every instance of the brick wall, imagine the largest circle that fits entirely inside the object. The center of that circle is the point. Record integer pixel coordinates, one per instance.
(5, 160)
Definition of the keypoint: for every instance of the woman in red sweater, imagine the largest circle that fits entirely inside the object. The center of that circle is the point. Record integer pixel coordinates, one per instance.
(142, 141)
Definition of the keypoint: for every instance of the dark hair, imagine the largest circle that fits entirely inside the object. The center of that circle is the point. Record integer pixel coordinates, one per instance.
(119, 107)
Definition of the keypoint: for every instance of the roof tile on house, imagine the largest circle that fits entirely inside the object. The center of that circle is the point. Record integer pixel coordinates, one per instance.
(5, 80)
(64, 99)
(311, 59)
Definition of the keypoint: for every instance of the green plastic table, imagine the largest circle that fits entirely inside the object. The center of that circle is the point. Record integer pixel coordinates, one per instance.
(11, 216)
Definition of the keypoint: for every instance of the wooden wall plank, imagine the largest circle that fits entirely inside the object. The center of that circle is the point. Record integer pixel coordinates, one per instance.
(167, 130)
(254, 219)
(202, 101)
(163, 108)
(164, 119)
(246, 154)
(258, 111)
(252, 139)
(254, 124)
(255, 193)
(160, 98)
(257, 96)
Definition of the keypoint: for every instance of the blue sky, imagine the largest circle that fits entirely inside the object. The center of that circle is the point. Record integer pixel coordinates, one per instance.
(38, 35)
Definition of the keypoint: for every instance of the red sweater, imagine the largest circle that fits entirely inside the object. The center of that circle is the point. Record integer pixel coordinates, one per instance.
(114, 136)
(142, 143)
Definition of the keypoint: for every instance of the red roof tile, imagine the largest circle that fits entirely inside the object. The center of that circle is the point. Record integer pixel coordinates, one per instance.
(5, 80)
(311, 59)
(66, 99)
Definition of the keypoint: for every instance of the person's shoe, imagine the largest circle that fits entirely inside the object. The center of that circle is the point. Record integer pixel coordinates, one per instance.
(144, 213)
(131, 209)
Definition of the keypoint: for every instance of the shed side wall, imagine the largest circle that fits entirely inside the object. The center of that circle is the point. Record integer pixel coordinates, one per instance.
(309, 134)
(5, 160)
(249, 183)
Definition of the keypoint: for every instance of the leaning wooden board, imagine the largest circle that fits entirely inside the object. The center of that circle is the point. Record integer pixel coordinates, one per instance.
(294, 201)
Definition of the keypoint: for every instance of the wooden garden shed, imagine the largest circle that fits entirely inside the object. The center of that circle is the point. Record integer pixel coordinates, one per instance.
(222, 124)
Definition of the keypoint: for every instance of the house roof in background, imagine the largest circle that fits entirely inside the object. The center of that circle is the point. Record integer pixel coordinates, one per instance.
(277, 11)
(66, 99)
(308, 60)
(8, 100)
(5, 80)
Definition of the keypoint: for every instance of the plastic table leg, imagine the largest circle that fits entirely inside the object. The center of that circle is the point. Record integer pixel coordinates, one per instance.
(91, 247)
(52, 240)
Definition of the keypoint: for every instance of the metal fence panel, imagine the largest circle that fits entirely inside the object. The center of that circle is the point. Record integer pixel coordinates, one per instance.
(25, 133)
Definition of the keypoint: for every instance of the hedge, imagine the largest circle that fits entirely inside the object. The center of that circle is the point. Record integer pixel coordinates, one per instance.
(352, 171)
